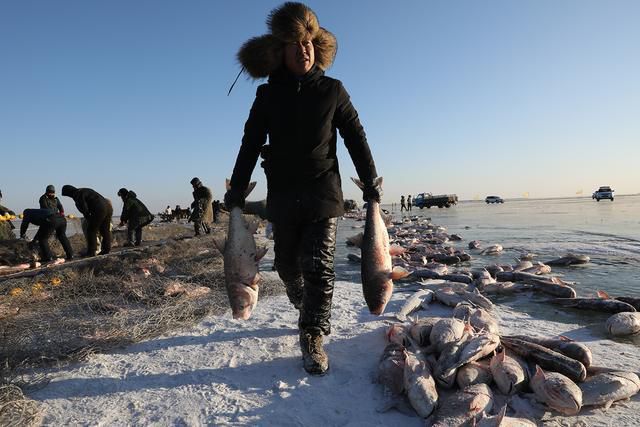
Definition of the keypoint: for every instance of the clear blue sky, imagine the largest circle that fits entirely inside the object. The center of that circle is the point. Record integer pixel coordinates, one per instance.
(467, 97)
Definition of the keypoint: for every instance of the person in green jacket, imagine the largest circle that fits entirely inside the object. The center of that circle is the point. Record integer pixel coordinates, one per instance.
(49, 201)
(6, 227)
(202, 213)
(135, 214)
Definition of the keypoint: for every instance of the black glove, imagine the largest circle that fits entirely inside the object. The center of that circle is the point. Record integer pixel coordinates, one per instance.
(233, 199)
(371, 192)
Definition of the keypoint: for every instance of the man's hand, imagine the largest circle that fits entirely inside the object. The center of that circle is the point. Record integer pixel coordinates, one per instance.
(371, 192)
(233, 199)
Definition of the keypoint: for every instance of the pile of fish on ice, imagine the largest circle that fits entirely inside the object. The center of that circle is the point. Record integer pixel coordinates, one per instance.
(441, 368)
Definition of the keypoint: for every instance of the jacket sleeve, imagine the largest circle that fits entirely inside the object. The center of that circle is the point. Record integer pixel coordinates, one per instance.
(43, 202)
(255, 136)
(81, 204)
(124, 216)
(348, 124)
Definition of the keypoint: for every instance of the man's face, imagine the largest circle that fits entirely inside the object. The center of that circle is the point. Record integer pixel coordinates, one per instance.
(51, 195)
(299, 57)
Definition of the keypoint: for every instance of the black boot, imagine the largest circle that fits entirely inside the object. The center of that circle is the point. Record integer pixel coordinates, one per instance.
(314, 358)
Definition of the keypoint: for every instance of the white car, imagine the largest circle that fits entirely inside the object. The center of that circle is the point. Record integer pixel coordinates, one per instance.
(603, 193)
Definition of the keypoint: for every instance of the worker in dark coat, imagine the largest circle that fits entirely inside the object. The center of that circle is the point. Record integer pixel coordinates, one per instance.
(6, 226)
(202, 213)
(50, 222)
(135, 214)
(98, 211)
(301, 111)
(49, 200)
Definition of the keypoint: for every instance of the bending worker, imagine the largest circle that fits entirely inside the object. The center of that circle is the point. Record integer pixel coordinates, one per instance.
(135, 214)
(98, 211)
(49, 222)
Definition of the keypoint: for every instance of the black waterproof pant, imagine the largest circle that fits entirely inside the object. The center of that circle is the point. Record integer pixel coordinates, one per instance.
(58, 225)
(304, 254)
(99, 221)
(135, 227)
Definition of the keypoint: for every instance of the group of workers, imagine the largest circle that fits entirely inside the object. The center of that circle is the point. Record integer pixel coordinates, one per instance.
(405, 206)
(96, 224)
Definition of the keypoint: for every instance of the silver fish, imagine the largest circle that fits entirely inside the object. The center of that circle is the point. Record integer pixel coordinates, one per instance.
(606, 388)
(477, 317)
(621, 324)
(414, 302)
(419, 385)
(569, 259)
(557, 391)
(391, 369)
(449, 356)
(477, 372)
(241, 258)
(507, 373)
(492, 250)
(476, 348)
(420, 330)
(463, 407)
(377, 272)
(445, 331)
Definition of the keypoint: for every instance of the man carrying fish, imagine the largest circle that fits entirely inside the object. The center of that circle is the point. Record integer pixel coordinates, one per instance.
(301, 111)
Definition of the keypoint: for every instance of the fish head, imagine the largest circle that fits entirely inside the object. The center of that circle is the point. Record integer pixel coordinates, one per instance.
(243, 298)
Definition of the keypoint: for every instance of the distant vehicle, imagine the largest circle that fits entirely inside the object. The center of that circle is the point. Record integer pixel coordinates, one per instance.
(494, 199)
(426, 200)
(604, 192)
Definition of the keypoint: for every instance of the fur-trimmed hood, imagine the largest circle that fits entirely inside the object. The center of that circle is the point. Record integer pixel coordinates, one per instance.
(291, 22)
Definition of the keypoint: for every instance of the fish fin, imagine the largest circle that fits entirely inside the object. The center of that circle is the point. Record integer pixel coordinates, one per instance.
(565, 338)
(261, 252)
(502, 356)
(607, 405)
(250, 188)
(540, 372)
(220, 243)
(603, 295)
(357, 182)
(398, 273)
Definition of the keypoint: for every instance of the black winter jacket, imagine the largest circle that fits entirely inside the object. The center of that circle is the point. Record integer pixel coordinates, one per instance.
(301, 117)
(88, 201)
(134, 211)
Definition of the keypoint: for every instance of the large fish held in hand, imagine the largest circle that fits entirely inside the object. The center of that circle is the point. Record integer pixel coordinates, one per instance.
(241, 257)
(377, 271)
